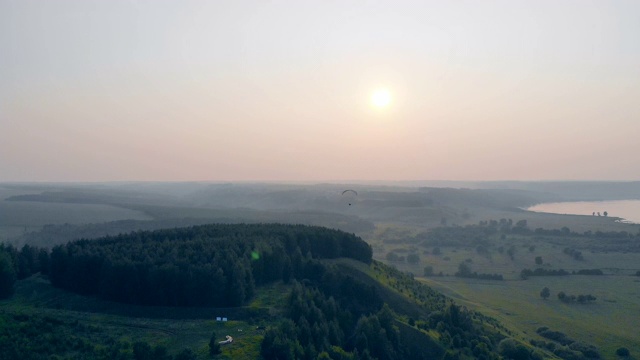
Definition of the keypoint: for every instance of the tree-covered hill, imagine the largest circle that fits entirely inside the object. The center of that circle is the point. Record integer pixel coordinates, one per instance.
(210, 265)
(339, 304)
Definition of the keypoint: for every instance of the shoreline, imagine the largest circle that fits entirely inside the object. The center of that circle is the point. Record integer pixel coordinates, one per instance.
(622, 211)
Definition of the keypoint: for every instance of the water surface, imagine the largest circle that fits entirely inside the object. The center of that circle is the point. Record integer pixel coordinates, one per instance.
(629, 210)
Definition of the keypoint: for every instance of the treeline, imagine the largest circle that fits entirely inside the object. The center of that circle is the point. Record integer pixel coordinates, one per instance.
(582, 298)
(526, 273)
(483, 233)
(211, 265)
(51, 235)
(565, 347)
(464, 271)
(474, 234)
(589, 272)
(566, 232)
(19, 264)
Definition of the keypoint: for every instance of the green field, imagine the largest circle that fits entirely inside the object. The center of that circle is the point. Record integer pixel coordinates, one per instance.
(608, 323)
(20, 217)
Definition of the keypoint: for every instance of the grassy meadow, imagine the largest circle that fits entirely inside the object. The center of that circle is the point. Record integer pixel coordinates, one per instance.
(608, 323)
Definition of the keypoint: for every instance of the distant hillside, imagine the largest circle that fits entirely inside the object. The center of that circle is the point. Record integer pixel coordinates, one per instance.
(183, 204)
(564, 190)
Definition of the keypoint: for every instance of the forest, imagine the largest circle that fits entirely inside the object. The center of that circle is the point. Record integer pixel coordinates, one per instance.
(212, 265)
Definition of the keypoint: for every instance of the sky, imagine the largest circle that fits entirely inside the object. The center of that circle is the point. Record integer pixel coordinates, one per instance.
(281, 90)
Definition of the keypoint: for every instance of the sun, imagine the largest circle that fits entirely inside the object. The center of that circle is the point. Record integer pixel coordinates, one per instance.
(381, 98)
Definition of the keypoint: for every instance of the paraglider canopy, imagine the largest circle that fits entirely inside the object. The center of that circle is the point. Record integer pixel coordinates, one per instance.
(349, 195)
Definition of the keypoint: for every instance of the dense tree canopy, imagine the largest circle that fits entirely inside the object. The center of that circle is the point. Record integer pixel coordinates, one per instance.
(211, 265)
(7, 274)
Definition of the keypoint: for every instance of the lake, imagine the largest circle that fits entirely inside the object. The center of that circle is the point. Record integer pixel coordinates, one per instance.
(629, 210)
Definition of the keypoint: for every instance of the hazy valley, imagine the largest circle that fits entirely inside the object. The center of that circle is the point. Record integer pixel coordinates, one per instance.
(474, 245)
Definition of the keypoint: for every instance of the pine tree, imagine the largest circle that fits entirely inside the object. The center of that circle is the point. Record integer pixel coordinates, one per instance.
(214, 347)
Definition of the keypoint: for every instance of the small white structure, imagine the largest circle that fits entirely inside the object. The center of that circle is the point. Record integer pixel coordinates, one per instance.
(218, 318)
(229, 340)
(224, 319)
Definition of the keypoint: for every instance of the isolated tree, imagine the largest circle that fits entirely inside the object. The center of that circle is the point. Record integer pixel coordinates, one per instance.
(545, 293)
(214, 346)
(623, 351)
(428, 270)
(538, 260)
(413, 258)
(391, 256)
(463, 269)
(605, 213)
(562, 296)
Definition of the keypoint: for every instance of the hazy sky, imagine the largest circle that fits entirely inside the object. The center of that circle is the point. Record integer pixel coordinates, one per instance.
(280, 90)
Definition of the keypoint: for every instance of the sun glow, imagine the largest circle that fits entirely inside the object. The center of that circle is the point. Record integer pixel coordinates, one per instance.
(381, 98)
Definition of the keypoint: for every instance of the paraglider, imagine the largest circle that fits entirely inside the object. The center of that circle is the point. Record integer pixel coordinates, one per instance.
(350, 194)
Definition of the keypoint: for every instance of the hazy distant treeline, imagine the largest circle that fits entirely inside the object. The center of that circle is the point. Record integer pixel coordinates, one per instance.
(483, 233)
